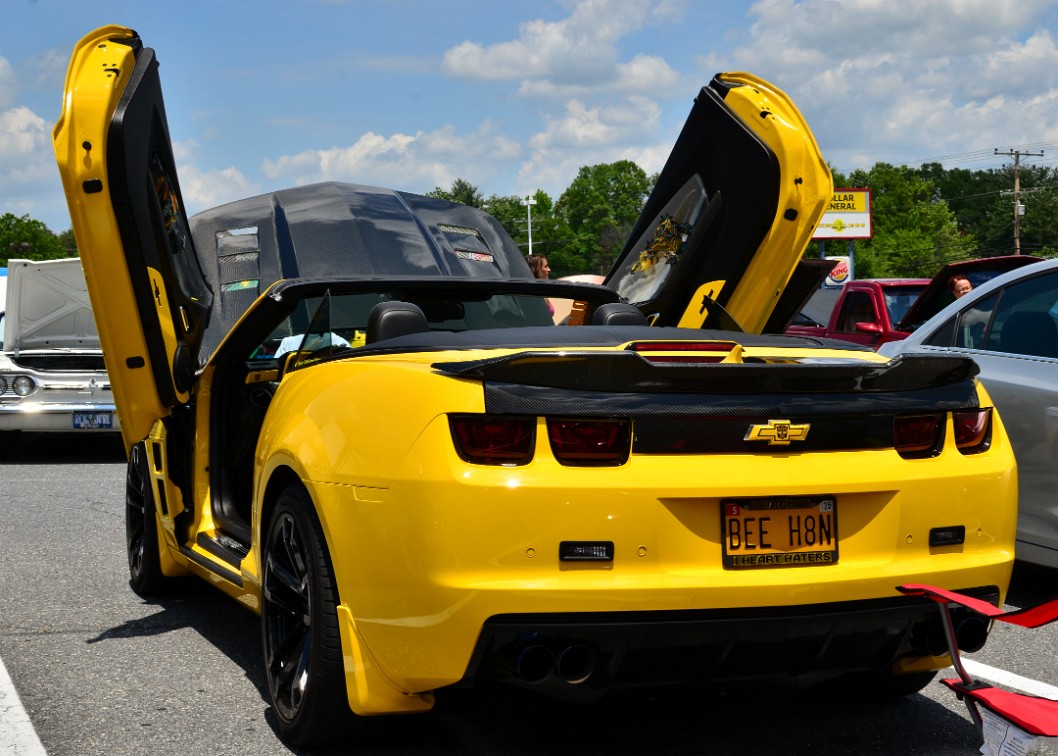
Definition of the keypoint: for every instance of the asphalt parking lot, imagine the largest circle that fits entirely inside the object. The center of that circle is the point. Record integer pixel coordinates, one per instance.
(100, 671)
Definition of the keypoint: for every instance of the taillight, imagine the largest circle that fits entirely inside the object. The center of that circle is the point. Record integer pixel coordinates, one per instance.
(585, 443)
(973, 429)
(918, 436)
(694, 352)
(492, 439)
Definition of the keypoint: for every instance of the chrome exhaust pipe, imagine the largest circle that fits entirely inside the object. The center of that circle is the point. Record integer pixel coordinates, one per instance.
(575, 664)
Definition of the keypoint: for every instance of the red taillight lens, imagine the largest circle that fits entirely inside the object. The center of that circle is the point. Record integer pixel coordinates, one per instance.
(494, 440)
(590, 442)
(973, 429)
(917, 436)
(707, 352)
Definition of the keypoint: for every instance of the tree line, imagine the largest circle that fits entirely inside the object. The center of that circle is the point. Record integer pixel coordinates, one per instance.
(922, 218)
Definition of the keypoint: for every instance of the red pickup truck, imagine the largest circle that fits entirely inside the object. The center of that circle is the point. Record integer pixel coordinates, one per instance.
(877, 311)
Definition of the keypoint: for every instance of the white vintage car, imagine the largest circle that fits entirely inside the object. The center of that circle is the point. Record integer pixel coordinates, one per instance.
(52, 375)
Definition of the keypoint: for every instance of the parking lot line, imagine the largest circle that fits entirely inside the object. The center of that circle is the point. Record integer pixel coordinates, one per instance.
(980, 671)
(17, 736)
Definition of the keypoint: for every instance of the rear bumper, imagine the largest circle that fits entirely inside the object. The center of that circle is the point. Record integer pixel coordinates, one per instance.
(54, 416)
(577, 654)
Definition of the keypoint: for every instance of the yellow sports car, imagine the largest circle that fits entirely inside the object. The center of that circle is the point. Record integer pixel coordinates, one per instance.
(349, 408)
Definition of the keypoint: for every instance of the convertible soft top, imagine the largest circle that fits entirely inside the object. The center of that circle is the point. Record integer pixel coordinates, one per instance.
(342, 231)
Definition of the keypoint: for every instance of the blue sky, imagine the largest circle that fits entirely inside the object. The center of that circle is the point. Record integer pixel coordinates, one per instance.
(515, 96)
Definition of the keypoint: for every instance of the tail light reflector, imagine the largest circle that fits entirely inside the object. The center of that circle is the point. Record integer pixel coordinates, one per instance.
(918, 436)
(492, 439)
(973, 429)
(586, 443)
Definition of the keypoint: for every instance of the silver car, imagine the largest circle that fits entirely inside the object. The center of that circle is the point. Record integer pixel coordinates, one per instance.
(52, 374)
(1009, 326)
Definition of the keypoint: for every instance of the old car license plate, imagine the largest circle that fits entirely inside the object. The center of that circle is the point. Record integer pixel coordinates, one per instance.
(779, 531)
(93, 420)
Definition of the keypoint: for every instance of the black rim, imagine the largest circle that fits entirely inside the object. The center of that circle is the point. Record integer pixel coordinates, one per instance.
(287, 616)
(136, 510)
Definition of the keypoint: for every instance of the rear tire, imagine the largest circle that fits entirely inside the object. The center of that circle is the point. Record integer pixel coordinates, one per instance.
(303, 657)
(141, 527)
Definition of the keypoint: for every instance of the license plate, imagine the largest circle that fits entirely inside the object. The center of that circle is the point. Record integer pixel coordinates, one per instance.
(93, 420)
(779, 531)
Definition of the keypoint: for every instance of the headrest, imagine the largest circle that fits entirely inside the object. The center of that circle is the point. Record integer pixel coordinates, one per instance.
(618, 313)
(387, 320)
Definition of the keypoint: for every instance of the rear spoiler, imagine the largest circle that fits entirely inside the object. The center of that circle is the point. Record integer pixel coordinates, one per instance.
(629, 371)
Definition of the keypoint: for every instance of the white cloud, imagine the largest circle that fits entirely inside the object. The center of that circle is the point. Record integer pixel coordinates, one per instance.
(27, 162)
(23, 134)
(28, 174)
(413, 162)
(574, 56)
(579, 48)
(609, 98)
(900, 80)
(589, 136)
(203, 189)
(633, 120)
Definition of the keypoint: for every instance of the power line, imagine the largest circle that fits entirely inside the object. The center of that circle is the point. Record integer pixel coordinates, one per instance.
(982, 155)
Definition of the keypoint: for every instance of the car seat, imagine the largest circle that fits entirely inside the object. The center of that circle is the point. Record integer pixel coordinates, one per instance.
(387, 320)
(618, 313)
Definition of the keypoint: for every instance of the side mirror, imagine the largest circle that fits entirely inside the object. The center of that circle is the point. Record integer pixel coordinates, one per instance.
(867, 327)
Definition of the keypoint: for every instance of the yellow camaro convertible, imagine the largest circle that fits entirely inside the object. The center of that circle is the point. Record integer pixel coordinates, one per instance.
(350, 409)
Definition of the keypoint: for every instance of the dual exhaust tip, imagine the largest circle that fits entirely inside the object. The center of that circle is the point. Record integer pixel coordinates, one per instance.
(536, 663)
(971, 632)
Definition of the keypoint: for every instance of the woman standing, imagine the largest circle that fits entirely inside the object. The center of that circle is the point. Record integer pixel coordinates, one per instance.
(538, 264)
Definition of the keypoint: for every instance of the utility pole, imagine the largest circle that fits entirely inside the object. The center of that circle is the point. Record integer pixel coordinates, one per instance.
(529, 202)
(1018, 207)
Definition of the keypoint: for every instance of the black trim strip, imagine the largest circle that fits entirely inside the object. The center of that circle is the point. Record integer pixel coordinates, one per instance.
(201, 561)
(231, 551)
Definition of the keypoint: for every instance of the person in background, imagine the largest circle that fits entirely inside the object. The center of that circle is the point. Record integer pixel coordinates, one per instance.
(960, 286)
(538, 264)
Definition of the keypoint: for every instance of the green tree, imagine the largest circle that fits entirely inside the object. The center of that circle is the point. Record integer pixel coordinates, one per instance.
(462, 191)
(69, 243)
(24, 238)
(1037, 229)
(914, 230)
(600, 206)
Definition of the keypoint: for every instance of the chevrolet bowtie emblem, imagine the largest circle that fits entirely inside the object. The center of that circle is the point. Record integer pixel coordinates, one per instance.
(778, 432)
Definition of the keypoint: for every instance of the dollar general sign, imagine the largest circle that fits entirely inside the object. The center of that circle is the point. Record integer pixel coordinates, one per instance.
(848, 216)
